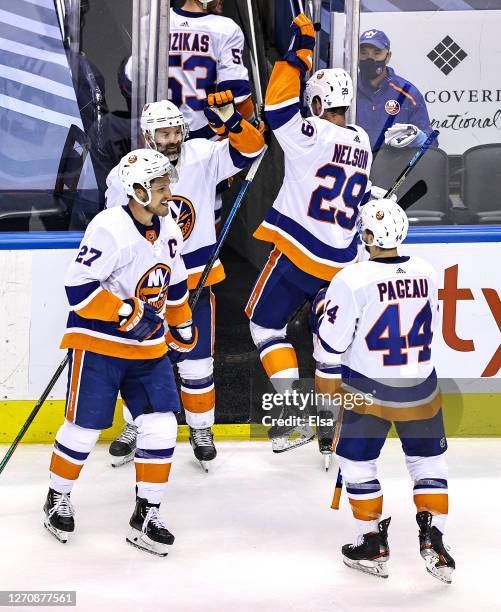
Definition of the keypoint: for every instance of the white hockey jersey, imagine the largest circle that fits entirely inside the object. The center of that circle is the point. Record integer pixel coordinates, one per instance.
(327, 169)
(202, 165)
(380, 316)
(205, 56)
(116, 261)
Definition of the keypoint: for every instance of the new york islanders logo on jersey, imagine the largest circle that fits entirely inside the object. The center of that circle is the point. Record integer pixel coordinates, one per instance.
(392, 107)
(153, 286)
(185, 217)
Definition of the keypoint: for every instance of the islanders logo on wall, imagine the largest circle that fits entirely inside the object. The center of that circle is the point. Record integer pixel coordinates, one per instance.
(153, 286)
(185, 215)
(392, 107)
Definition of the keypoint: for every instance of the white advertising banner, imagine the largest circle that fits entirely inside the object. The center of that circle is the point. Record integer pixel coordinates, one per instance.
(468, 347)
(453, 58)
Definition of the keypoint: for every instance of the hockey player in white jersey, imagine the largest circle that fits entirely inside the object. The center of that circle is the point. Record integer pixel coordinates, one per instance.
(375, 325)
(128, 295)
(205, 56)
(201, 165)
(312, 222)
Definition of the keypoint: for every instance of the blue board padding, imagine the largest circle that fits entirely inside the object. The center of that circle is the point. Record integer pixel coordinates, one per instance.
(19, 241)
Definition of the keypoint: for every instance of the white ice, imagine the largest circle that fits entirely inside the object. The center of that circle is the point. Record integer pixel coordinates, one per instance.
(256, 533)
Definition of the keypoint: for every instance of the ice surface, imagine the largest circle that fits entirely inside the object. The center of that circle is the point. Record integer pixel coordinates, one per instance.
(256, 533)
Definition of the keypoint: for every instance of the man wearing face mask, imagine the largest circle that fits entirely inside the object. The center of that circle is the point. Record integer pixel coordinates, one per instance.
(390, 108)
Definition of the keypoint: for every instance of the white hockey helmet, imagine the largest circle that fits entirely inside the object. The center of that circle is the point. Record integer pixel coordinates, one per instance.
(162, 114)
(386, 220)
(140, 167)
(333, 86)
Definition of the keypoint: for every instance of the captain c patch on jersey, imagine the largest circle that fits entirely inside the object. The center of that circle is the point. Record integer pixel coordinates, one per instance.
(153, 286)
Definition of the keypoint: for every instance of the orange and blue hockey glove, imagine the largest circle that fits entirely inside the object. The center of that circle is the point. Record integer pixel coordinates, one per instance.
(138, 320)
(301, 53)
(222, 114)
(181, 340)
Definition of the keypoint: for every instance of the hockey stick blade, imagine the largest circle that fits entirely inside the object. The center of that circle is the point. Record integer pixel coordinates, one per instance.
(34, 412)
(415, 193)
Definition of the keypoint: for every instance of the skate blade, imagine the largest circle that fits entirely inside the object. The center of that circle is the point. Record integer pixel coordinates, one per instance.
(280, 445)
(444, 573)
(61, 536)
(205, 466)
(140, 540)
(374, 568)
(327, 461)
(119, 461)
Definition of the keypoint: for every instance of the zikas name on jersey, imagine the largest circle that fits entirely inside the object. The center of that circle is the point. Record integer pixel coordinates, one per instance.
(190, 41)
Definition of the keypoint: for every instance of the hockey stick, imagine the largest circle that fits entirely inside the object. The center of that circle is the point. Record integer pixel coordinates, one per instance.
(254, 60)
(411, 164)
(248, 180)
(415, 193)
(34, 412)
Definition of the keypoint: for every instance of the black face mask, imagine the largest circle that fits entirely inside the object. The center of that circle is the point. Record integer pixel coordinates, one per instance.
(370, 68)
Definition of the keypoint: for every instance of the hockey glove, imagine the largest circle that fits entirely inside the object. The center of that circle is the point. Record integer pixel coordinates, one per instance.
(317, 310)
(301, 53)
(222, 114)
(378, 193)
(401, 135)
(138, 319)
(181, 340)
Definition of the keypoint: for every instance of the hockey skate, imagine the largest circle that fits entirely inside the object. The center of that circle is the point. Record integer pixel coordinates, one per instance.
(435, 553)
(370, 553)
(202, 443)
(284, 438)
(325, 448)
(122, 449)
(325, 435)
(59, 515)
(148, 531)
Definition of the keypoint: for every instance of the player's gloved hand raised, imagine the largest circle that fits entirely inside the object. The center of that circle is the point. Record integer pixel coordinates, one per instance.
(301, 52)
(222, 114)
(378, 193)
(181, 340)
(404, 135)
(317, 310)
(138, 319)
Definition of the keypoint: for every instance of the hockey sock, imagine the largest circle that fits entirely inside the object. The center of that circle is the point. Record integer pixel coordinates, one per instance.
(280, 363)
(199, 399)
(128, 418)
(71, 448)
(430, 486)
(431, 494)
(366, 501)
(156, 440)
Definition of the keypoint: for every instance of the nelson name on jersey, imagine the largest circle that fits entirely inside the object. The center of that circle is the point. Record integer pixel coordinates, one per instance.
(347, 155)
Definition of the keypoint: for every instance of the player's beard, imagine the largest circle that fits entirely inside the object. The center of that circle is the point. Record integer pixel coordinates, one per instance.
(171, 153)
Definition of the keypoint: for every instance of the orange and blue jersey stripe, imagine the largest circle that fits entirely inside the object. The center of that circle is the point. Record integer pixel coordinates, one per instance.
(282, 95)
(414, 402)
(195, 263)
